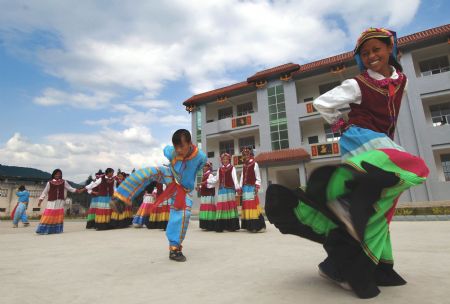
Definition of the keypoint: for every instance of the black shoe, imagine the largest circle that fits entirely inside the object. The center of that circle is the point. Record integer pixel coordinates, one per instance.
(327, 272)
(177, 255)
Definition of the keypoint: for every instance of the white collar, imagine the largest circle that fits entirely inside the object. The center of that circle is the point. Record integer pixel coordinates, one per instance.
(378, 76)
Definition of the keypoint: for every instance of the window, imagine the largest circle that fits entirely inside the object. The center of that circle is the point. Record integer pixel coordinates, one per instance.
(440, 114)
(246, 142)
(35, 193)
(313, 139)
(225, 113)
(330, 136)
(277, 118)
(226, 147)
(445, 160)
(211, 154)
(434, 66)
(323, 88)
(244, 109)
(3, 192)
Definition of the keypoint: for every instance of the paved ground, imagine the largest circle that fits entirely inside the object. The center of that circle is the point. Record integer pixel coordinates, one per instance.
(132, 266)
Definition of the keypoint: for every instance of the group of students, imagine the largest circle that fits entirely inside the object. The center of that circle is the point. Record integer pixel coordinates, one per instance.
(346, 207)
(219, 213)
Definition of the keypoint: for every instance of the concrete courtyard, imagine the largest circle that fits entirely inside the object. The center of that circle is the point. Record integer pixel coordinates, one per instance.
(132, 266)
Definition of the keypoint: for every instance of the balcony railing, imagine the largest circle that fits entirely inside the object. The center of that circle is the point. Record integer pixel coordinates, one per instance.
(229, 124)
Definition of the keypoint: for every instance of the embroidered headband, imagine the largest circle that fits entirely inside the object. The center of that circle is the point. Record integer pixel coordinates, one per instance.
(375, 33)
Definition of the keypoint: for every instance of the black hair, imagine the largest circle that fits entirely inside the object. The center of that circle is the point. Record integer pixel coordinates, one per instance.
(56, 171)
(176, 137)
(392, 60)
(99, 172)
(151, 187)
(109, 170)
(21, 188)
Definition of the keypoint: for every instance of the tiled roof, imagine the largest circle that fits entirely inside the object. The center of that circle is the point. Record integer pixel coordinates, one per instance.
(402, 41)
(423, 35)
(218, 92)
(296, 69)
(282, 155)
(285, 68)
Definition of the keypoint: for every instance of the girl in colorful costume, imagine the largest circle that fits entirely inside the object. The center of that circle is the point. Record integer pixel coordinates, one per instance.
(251, 214)
(185, 161)
(105, 185)
(348, 207)
(124, 219)
(90, 223)
(207, 190)
(52, 220)
(227, 216)
(143, 215)
(20, 211)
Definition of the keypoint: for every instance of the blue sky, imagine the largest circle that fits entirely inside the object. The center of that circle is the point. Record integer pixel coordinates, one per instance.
(88, 85)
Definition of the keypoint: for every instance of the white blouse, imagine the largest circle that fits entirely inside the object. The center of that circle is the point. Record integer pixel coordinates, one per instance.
(233, 176)
(348, 92)
(67, 187)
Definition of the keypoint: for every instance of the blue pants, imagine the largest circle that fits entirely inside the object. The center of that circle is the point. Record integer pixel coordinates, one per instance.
(178, 223)
(20, 214)
(136, 182)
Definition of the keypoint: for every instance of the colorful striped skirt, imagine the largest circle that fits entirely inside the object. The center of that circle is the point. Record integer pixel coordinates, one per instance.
(122, 220)
(103, 213)
(207, 215)
(142, 215)
(160, 217)
(251, 213)
(356, 140)
(52, 220)
(227, 216)
(90, 223)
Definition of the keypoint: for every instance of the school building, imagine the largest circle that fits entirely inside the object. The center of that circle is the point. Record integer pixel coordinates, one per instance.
(272, 111)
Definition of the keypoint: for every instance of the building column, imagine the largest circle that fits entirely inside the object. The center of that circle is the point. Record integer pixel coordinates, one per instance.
(302, 174)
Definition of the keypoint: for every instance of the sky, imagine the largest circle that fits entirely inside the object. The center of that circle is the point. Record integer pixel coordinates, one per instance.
(86, 85)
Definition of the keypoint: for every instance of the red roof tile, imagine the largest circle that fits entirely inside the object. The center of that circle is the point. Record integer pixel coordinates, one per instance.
(348, 56)
(219, 92)
(285, 68)
(282, 155)
(296, 69)
(427, 34)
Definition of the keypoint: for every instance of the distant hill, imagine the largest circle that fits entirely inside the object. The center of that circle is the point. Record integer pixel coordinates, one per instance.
(14, 172)
(23, 172)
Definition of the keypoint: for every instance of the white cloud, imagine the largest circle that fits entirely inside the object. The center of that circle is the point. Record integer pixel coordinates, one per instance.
(143, 46)
(80, 155)
(52, 97)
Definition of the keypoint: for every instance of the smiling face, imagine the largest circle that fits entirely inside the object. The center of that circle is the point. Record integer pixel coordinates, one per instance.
(375, 56)
(225, 160)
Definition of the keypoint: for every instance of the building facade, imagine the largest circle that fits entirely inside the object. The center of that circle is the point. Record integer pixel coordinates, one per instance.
(273, 112)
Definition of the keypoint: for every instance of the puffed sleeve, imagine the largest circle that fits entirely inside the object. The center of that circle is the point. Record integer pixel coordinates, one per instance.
(328, 104)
